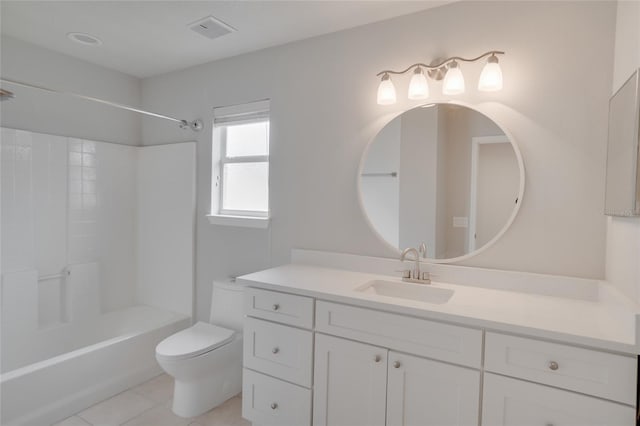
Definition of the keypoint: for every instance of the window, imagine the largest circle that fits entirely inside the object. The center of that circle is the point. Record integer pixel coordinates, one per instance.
(245, 169)
(240, 172)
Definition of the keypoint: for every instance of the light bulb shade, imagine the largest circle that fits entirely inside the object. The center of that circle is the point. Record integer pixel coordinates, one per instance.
(491, 76)
(386, 91)
(453, 81)
(418, 86)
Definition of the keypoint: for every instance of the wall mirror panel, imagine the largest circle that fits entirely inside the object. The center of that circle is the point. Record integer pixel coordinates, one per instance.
(622, 194)
(444, 175)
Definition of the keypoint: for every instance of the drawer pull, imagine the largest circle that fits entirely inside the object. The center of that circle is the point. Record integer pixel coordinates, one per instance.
(553, 366)
(276, 307)
(377, 358)
(274, 405)
(396, 364)
(275, 350)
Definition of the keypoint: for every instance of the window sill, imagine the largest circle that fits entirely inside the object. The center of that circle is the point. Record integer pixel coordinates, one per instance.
(241, 221)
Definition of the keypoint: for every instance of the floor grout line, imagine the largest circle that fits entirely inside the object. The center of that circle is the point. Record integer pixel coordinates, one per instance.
(85, 420)
(140, 414)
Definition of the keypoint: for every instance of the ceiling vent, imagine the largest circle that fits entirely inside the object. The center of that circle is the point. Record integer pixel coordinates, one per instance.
(211, 27)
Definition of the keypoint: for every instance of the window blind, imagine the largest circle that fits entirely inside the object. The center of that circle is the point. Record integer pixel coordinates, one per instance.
(241, 114)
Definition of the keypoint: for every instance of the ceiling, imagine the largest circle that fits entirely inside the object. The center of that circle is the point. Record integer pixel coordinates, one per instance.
(146, 38)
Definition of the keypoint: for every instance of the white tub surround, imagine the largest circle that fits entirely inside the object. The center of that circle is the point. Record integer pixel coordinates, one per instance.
(166, 213)
(581, 341)
(92, 278)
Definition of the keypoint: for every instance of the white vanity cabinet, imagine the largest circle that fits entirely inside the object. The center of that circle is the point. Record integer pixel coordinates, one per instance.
(350, 383)
(426, 392)
(374, 384)
(277, 358)
(512, 401)
(309, 361)
(356, 381)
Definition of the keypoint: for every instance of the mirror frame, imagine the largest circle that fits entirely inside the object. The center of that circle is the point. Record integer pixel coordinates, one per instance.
(500, 233)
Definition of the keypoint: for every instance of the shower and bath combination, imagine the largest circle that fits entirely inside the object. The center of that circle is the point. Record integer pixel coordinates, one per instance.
(81, 282)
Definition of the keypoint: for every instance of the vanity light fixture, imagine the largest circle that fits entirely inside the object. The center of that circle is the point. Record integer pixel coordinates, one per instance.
(449, 70)
(453, 80)
(386, 91)
(418, 86)
(491, 76)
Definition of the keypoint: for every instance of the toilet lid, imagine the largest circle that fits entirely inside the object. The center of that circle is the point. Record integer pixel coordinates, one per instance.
(200, 338)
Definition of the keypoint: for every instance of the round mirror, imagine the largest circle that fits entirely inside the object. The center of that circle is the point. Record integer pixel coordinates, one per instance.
(443, 175)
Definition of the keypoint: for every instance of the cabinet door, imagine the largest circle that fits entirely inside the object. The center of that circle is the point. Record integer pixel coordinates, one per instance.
(422, 392)
(350, 383)
(512, 402)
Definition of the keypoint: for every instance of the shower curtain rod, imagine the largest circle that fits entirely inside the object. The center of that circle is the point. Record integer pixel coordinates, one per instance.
(195, 125)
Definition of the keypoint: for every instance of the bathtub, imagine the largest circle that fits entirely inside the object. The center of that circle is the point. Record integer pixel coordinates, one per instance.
(64, 369)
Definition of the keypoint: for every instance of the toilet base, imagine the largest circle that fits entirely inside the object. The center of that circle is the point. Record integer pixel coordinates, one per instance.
(206, 381)
(193, 398)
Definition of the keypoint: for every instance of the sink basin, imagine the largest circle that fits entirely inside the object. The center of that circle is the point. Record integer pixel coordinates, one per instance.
(403, 290)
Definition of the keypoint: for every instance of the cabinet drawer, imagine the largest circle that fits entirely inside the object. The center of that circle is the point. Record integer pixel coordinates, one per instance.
(592, 372)
(278, 350)
(280, 307)
(436, 340)
(511, 402)
(267, 401)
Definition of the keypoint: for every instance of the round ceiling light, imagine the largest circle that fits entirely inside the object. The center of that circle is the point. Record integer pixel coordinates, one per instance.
(85, 38)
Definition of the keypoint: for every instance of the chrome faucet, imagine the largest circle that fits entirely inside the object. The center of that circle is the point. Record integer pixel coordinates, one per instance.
(414, 276)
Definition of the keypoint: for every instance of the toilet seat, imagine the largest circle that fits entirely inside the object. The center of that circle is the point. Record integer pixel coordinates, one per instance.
(196, 340)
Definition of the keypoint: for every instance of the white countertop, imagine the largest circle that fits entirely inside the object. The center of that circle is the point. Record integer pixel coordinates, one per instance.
(601, 323)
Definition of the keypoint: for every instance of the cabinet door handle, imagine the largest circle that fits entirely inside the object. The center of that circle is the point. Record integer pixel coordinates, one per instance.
(553, 365)
(276, 306)
(377, 358)
(274, 405)
(396, 364)
(275, 350)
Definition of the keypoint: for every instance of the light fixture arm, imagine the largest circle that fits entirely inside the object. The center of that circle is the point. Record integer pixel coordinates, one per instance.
(442, 63)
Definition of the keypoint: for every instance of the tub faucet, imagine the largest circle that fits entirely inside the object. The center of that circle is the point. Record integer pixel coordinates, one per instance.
(414, 276)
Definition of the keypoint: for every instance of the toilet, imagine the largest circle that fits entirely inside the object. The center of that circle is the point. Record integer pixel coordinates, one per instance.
(206, 359)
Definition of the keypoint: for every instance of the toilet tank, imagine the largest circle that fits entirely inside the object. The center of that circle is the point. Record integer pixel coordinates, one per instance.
(227, 304)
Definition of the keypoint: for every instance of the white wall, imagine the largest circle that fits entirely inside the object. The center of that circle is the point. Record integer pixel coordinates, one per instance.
(623, 234)
(324, 113)
(55, 114)
(166, 203)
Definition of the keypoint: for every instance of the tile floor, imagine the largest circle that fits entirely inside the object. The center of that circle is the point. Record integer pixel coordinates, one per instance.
(149, 404)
